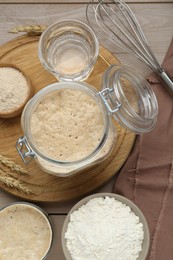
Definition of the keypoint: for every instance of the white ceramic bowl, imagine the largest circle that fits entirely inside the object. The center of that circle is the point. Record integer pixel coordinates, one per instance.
(134, 208)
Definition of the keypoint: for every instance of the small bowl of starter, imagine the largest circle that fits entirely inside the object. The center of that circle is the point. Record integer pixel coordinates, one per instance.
(15, 90)
(105, 226)
(25, 232)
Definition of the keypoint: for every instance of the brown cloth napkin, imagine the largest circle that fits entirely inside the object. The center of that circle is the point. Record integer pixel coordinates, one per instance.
(147, 176)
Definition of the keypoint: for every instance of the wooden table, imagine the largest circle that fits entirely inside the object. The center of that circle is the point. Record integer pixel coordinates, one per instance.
(156, 19)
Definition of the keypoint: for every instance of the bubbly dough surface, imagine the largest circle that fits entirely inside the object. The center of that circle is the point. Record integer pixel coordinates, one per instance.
(67, 125)
(25, 233)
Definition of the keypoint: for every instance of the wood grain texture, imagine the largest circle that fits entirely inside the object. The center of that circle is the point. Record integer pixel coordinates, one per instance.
(77, 1)
(22, 52)
(156, 21)
(54, 208)
(56, 252)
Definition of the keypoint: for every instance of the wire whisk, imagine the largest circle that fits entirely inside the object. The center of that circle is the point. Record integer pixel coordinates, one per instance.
(119, 24)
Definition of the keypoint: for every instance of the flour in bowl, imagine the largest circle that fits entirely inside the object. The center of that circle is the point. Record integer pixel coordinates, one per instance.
(13, 89)
(104, 228)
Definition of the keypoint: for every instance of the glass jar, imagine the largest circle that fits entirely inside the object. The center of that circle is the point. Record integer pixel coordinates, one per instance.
(68, 126)
(65, 43)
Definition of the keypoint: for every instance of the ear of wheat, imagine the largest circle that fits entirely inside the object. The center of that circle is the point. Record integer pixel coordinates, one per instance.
(32, 30)
(7, 168)
(10, 182)
(5, 162)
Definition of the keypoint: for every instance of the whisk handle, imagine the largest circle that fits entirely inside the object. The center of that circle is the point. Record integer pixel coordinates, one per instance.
(168, 82)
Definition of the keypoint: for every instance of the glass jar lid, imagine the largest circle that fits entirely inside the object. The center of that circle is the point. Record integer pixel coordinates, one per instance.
(129, 98)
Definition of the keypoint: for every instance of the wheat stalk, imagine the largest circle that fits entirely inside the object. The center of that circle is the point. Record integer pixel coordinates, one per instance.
(29, 29)
(11, 165)
(13, 183)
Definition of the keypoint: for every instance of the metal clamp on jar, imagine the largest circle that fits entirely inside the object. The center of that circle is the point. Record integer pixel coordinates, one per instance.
(68, 126)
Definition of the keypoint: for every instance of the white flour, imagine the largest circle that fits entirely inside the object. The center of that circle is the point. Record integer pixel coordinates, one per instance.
(104, 229)
(13, 88)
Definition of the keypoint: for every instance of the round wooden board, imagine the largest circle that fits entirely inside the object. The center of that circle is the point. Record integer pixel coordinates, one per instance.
(38, 185)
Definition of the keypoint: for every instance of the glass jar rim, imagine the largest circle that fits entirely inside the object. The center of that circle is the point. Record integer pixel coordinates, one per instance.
(56, 87)
(64, 22)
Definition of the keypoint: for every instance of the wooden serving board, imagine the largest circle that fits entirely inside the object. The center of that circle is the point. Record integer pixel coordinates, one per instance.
(38, 185)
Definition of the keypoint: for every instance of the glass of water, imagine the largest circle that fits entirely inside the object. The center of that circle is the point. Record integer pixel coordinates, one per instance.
(69, 50)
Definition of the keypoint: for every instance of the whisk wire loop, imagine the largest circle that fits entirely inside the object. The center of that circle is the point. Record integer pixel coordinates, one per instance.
(135, 36)
(132, 38)
(137, 27)
(119, 23)
(137, 45)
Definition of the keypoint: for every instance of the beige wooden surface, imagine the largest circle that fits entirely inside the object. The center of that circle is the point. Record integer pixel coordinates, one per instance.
(23, 52)
(156, 19)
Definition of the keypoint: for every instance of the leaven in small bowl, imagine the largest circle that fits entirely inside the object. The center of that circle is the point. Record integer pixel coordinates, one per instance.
(17, 110)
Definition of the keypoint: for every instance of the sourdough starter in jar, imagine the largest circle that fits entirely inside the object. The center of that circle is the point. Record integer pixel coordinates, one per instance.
(25, 233)
(67, 125)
